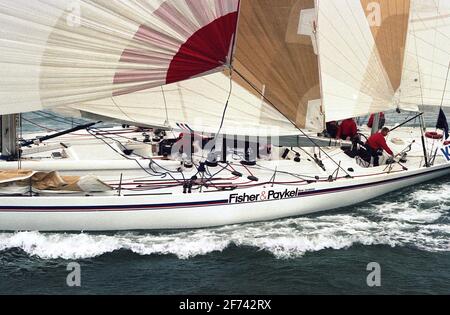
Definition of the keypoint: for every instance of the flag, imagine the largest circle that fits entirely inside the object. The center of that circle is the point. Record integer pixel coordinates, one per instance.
(442, 123)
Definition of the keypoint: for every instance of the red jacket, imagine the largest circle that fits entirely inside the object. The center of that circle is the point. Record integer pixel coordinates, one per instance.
(372, 118)
(347, 129)
(377, 141)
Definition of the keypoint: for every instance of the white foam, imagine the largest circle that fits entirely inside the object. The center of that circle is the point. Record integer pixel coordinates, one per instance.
(402, 223)
(405, 212)
(440, 194)
(66, 246)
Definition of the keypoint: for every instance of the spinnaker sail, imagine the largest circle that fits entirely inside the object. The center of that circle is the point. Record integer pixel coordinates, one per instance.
(66, 52)
(275, 86)
(274, 65)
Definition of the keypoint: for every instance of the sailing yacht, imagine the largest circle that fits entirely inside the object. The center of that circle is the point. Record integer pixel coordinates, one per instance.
(230, 98)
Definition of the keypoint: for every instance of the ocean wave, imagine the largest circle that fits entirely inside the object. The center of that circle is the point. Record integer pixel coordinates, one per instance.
(404, 222)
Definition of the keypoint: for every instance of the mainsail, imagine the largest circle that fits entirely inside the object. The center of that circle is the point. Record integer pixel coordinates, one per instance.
(276, 51)
(196, 104)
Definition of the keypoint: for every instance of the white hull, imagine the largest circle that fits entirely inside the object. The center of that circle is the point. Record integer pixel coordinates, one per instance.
(162, 206)
(186, 211)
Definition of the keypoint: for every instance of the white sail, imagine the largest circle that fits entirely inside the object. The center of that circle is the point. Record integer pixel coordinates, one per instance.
(276, 75)
(196, 104)
(64, 52)
(427, 55)
(361, 49)
(275, 66)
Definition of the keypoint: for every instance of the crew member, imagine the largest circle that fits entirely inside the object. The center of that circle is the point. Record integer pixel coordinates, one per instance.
(382, 121)
(347, 130)
(184, 143)
(376, 143)
(332, 129)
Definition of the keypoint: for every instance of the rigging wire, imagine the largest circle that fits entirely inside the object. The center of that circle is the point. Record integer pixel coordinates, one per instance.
(445, 87)
(52, 118)
(38, 125)
(165, 104)
(226, 104)
(123, 112)
(59, 118)
(168, 172)
(230, 91)
(304, 134)
(167, 122)
(185, 181)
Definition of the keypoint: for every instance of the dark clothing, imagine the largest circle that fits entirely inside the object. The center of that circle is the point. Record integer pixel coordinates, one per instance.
(442, 123)
(375, 154)
(375, 146)
(347, 129)
(332, 129)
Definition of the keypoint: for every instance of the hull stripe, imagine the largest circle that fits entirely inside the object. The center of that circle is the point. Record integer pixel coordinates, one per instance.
(210, 203)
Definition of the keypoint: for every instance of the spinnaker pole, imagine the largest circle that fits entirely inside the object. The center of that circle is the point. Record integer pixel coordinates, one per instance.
(58, 134)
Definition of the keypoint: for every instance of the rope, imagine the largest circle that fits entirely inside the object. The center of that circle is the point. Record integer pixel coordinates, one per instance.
(226, 104)
(38, 125)
(123, 112)
(58, 118)
(165, 104)
(303, 133)
(135, 160)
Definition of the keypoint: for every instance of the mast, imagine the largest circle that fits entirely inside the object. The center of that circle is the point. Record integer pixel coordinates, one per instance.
(9, 150)
(316, 30)
(376, 123)
(422, 136)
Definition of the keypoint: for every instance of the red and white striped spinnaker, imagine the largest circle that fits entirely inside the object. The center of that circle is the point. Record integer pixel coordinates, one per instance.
(65, 52)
